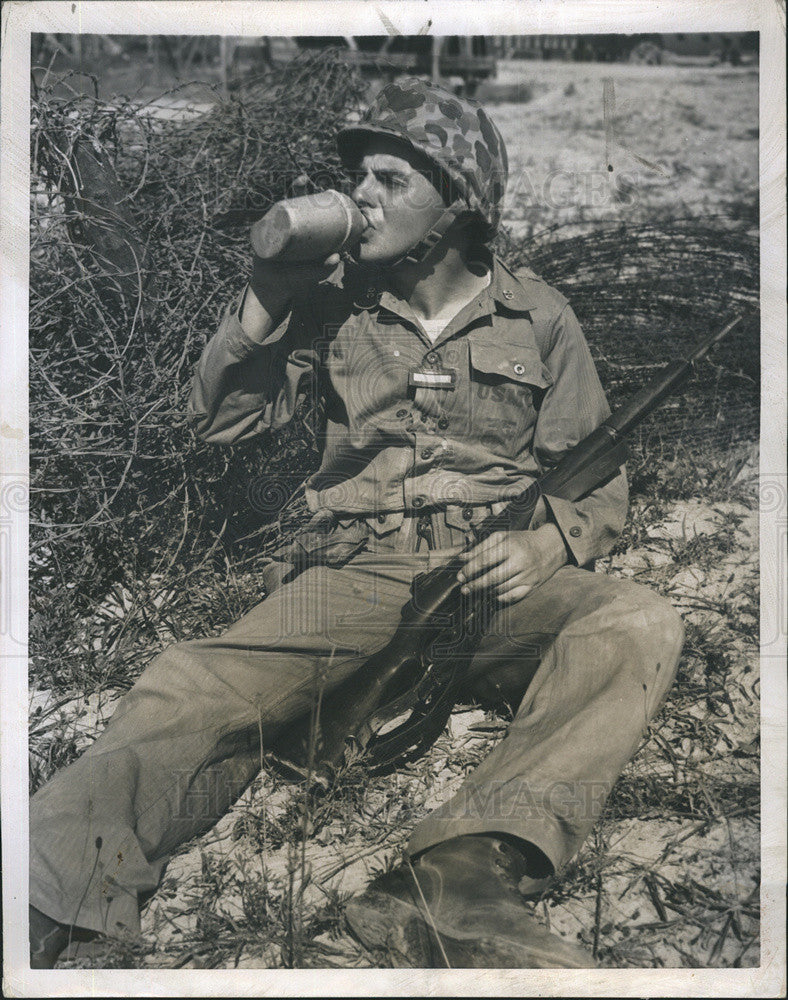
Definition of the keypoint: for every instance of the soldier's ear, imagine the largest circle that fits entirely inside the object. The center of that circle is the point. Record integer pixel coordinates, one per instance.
(474, 231)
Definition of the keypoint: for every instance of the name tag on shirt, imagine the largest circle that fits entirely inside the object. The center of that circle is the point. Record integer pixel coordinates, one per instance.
(429, 378)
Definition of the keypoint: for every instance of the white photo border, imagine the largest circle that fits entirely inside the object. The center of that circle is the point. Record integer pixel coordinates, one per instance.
(457, 17)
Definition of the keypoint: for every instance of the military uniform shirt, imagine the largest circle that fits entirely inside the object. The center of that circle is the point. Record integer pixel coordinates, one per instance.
(507, 387)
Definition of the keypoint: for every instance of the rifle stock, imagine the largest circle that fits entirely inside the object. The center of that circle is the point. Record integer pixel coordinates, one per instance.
(436, 604)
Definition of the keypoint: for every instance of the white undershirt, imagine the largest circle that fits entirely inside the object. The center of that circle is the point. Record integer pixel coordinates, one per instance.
(435, 327)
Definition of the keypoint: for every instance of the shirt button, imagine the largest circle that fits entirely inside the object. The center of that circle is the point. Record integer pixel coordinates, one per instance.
(418, 502)
(381, 518)
(432, 358)
(467, 513)
(443, 423)
(507, 294)
(368, 297)
(519, 369)
(426, 453)
(575, 532)
(402, 413)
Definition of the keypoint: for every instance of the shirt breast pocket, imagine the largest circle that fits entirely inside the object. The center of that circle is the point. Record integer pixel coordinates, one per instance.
(507, 385)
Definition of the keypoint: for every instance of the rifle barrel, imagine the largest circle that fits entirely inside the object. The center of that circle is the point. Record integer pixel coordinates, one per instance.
(650, 396)
(705, 345)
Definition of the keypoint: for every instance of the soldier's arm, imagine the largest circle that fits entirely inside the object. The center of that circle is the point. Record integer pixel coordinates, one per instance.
(247, 379)
(574, 406)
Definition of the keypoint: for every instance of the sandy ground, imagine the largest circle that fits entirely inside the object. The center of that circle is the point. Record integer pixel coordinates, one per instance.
(679, 140)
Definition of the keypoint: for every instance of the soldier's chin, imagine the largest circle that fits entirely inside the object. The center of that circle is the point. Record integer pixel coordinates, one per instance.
(370, 253)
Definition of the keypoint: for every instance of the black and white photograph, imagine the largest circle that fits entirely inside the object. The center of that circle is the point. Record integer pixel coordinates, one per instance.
(393, 499)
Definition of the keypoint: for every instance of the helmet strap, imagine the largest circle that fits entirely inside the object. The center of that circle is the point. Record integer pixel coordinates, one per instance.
(418, 253)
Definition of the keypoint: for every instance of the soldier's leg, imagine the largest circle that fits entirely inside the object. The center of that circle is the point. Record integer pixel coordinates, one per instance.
(592, 658)
(595, 656)
(184, 741)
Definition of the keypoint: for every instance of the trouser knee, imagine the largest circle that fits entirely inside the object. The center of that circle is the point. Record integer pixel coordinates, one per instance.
(652, 632)
(671, 633)
(661, 626)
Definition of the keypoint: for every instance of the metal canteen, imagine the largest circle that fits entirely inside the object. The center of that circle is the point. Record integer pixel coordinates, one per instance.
(309, 228)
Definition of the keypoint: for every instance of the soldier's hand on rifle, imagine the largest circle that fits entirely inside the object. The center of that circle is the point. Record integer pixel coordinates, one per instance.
(508, 564)
(273, 286)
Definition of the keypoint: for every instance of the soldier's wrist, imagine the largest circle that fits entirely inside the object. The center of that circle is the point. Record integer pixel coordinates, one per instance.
(261, 312)
(552, 548)
(272, 290)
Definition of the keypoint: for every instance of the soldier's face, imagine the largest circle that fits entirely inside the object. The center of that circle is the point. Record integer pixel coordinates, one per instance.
(400, 203)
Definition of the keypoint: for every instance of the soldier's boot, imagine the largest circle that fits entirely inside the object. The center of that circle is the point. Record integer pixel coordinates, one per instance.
(460, 904)
(48, 939)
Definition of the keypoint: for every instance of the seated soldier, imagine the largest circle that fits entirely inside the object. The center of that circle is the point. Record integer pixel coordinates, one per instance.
(449, 383)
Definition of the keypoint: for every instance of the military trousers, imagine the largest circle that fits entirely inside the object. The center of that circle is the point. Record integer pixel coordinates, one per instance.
(586, 659)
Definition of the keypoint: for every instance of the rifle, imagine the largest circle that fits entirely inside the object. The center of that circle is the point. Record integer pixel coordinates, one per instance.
(421, 667)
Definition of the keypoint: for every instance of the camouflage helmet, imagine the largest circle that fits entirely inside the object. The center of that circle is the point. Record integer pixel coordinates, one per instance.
(454, 133)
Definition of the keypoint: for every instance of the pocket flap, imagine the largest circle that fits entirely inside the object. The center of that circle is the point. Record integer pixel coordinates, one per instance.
(333, 548)
(511, 361)
(384, 524)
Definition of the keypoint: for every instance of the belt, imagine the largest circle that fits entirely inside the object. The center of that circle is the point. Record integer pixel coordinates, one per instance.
(434, 528)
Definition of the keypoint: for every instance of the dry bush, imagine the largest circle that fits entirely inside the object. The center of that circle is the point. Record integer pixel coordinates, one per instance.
(123, 296)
